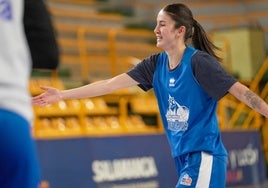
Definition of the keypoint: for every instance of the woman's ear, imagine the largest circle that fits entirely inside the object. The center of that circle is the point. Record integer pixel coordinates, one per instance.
(181, 30)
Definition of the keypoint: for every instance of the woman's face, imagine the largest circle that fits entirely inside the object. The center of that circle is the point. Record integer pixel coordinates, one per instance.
(166, 34)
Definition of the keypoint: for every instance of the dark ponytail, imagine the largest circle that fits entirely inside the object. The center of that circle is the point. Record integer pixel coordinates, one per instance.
(201, 41)
(183, 16)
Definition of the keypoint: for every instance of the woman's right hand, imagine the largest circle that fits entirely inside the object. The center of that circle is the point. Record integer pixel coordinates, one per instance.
(50, 95)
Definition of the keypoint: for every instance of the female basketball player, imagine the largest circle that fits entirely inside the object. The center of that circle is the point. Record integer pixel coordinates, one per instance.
(188, 81)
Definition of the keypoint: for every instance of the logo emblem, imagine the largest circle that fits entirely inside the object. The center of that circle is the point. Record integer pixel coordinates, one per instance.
(171, 82)
(5, 10)
(186, 180)
(177, 116)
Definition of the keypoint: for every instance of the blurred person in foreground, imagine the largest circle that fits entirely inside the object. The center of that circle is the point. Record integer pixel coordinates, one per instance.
(187, 81)
(19, 166)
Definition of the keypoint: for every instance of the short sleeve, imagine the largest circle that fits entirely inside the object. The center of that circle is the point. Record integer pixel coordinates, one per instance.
(143, 72)
(211, 76)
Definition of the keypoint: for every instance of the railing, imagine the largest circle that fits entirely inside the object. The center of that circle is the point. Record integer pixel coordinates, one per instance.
(75, 14)
(113, 50)
(236, 114)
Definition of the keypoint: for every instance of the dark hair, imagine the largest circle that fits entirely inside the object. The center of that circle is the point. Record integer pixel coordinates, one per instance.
(183, 16)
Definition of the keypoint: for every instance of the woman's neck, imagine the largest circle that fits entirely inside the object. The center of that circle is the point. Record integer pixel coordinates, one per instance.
(175, 57)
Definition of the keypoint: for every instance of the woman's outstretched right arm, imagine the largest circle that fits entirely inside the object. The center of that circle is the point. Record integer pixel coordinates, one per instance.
(52, 95)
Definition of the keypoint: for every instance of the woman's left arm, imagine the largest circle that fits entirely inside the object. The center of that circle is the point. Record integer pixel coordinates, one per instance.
(244, 94)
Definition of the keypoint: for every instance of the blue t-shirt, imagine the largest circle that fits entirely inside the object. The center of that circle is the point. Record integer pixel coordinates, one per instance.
(187, 98)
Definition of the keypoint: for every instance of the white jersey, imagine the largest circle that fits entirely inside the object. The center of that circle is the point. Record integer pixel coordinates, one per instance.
(15, 61)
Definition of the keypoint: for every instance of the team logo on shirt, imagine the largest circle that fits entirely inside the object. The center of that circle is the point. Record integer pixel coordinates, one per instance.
(177, 116)
(186, 180)
(5, 10)
(171, 82)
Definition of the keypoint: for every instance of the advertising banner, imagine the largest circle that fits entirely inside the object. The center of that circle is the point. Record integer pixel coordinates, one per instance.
(246, 163)
(110, 162)
(142, 161)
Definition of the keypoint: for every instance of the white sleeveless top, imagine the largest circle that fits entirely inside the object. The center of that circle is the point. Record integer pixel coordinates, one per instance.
(15, 61)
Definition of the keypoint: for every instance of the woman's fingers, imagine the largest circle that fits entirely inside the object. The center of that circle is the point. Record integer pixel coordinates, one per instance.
(39, 100)
(49, 96)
